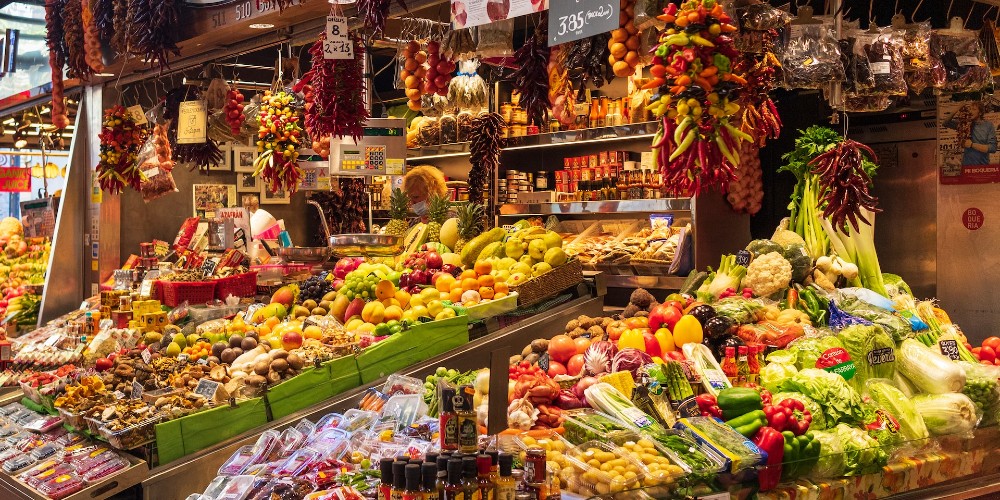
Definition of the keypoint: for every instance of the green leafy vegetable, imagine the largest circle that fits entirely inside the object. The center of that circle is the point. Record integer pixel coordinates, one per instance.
(949, 413)
(839, 402)
(809, 349)
(885, 394)
(872, 351)
(927, 369)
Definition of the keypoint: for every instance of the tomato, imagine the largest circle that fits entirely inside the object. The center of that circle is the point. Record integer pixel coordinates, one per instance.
(561, 348)
(582, 343)
(676, 355)
(637, 322)
(575, 365)
(975, 352)
(987, 354)
(992, 343)
(556, 368)
(674, 303)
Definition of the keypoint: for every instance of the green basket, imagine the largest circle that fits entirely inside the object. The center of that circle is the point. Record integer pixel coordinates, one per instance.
(186, 435)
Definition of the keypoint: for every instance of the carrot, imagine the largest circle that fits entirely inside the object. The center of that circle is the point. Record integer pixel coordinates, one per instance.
(703, 83)
(654, 83)
(683, 80)
(709, 71)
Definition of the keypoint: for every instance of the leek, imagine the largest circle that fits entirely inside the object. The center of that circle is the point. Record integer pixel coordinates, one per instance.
(858, 248)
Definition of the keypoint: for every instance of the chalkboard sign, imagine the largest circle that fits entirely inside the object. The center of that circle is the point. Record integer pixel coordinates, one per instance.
(743, 258)
(949, 348)
(543, 362)
(207, 388)
(577, 19)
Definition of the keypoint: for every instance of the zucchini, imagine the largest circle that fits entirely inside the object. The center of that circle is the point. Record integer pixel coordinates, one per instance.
(693, 281)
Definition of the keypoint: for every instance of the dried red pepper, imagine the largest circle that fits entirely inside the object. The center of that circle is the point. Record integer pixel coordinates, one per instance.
(486, 140)
(336, 87)
(278, 140)
(56, 43)
(531, 79)
(121, 140)
(845, 182)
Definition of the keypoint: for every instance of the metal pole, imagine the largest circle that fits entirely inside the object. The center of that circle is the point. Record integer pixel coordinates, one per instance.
(836, 98)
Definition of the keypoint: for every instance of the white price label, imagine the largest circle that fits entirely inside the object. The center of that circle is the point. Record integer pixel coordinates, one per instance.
(146, 356)
(338, 49)
(336, 28)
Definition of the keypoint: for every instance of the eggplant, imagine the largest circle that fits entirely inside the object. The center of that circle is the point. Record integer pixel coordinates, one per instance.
(718, 327)
(703, 313)
(723, 342)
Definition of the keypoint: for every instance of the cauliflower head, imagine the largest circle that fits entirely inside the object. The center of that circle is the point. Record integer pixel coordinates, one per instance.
(768, 274)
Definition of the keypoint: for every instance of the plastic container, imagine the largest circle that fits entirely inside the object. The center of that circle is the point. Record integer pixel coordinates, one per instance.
(17, 462)
(588, 424)
(239, 285)
(297, 462)
(237, 488)
(175, 293)
(599, 468)
(95, 458)
(216, 487)
(405, 409)
(132, 436)
(306, 427)
(44, 451)
(61, 486)
(402, 384)
(373, 400)
(357, 419)
(738, 452)
(44, 423)
(266, 448)
(291, 441)
(328, 421)
(93, 425)
(332, 443)
(73, 419)
(33, 476)
(105, 470)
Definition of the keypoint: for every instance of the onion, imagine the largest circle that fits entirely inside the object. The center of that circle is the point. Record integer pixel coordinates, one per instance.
(583, 384)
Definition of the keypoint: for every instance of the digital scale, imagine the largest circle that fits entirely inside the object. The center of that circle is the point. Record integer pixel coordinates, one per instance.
(380, 151)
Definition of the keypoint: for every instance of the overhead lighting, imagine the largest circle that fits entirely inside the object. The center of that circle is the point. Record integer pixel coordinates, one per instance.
(19, 140)
(9, 121)
(261, 26)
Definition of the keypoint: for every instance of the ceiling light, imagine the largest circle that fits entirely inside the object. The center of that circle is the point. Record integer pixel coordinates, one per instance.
(19, 141)
(261, 26)
(104, 74)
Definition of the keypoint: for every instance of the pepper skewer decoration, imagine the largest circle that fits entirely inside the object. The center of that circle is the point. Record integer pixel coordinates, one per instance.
(121, 140)
(696, 147)
(278, 141)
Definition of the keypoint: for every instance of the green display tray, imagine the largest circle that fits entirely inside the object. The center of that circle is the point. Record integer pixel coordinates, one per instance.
(421, 342)
(186, 435)
(313, 385)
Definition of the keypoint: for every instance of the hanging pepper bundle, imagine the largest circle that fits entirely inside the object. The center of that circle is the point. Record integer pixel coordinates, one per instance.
(844, 182)
(336, 86)
(121, 140)
(531, 79)
(104, 18)
(486, 139)
(119, 40)
(758, 115)
(154, 26)
(56, 43)
(278, 141)
(696, 146)
(375, 12)
(76, 54)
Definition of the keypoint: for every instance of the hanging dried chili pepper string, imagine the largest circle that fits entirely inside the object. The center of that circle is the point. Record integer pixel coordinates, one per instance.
(845, 182)
(486, 140)
(336, 88)
(531, 79)
(121, 140)
(56, 43)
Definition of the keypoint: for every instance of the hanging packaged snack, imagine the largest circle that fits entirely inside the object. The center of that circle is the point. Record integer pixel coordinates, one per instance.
(458, 44)
(991, 52)
(156, 166)
(561, 67)
(811, 58)
(858, 77)
(916, 40)
(885, 58)
(957, 62)
(759, 24)
(496, 40)
(449, 128)
(468, 90)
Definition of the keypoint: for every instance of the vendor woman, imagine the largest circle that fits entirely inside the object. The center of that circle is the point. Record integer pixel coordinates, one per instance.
(420, 183)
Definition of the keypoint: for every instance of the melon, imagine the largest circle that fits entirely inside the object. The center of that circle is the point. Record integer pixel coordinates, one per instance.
(415, 238)
(452, 258)
(449, 232)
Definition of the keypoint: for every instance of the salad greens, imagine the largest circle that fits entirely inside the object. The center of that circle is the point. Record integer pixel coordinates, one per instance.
(839, 402)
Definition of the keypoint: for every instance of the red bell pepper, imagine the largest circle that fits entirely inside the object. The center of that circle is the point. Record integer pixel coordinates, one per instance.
(708, 406)
(771, 442)
(799, 419)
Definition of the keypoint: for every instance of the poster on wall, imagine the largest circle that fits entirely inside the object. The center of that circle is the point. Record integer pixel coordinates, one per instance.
(15, 179)
(967, 139)
(468, 13)
(209, 198)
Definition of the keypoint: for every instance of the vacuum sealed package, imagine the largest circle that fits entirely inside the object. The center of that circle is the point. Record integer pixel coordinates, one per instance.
(759, 24)
(858, 76)
(811, 57)
(495, 39)
(957, 62)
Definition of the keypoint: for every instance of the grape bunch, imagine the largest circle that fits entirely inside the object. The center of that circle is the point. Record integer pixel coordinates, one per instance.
(358, 284)
(315, 288)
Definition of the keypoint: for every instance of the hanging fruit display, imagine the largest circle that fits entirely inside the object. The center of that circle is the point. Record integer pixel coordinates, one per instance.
(624, 42)
(439, 70)
(746, 190)
(414, 69)
(531, 79)
(278, 141)
(56, 43)
(234, 110)
(696, 147)
(334, 96)
(121, 140)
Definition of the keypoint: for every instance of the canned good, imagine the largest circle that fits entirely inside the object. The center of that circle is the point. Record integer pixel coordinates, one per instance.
(560, 187)
(542, 180)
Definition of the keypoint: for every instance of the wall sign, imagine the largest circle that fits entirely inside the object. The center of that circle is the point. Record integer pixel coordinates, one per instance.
(972, 218)
(575, 19)
(468, 13)
(192, 122)
(15, 180)
(967, 140)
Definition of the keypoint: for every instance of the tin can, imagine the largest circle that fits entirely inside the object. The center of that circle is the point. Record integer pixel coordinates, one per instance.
(534, 466)
(542, 180)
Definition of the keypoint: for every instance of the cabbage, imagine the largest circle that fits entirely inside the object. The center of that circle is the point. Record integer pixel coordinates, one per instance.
(809, 349)
(782, 356)
(818, 420)
(862, 453)
(831, 461)
(949, 413)
(773, 374)
(904, 384)
(872, 351)
(839, 402)
(928, 370)
(886, 395)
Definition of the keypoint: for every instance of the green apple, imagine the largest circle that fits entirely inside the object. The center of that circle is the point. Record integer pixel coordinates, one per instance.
(540, 269)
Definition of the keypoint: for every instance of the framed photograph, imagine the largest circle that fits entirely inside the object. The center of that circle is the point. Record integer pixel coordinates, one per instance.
(279, 198)
(243, 158)
(210, 197)
(247, 183)
(227, 159)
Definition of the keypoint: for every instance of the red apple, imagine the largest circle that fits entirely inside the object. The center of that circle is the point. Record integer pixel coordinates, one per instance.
(103, 364)
(434, 260)
(291, 340)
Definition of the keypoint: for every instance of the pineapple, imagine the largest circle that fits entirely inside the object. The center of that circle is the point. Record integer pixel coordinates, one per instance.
(437, 212)
(399, 206)
(469, 218)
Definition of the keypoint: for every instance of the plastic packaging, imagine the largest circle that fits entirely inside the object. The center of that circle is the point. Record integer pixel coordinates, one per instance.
(811, 58)
(17, 463)
(217, 486)
(44, 451)
(297, 462)
(357, 419)
(737, 451)
(402, 384)
(405, 409)
(957, 62)
(496, 39)
(587, 424)
(105, 470)
(61, 486)
(291, 440)
(589, 475)
(237, 488)
(328, 421)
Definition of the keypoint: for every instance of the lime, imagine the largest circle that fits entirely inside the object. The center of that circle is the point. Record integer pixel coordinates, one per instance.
(381, 330)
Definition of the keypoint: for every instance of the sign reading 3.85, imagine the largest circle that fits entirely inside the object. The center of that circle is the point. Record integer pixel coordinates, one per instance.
(575, 19)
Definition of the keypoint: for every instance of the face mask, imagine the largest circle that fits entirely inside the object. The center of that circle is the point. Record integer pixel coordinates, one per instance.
(419, 208)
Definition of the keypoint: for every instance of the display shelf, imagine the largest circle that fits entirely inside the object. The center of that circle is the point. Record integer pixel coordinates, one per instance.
(597, 207)
(193, 474)
(628, 132)
(648, 282)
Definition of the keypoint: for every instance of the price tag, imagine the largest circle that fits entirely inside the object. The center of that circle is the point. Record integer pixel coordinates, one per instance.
(208, 268)
(949, 348)
(336, 28)
(574, 20)
(715, 496)
(688, 408)
(394, 166)
(138, 116)
(146, 290)
(146, 356)
(119, 395)
(743, 258)
(207, 388)
(203, 361)
(136, 389)
(338, 49)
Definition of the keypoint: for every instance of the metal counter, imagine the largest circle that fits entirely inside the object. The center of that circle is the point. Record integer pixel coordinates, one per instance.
(193, 474)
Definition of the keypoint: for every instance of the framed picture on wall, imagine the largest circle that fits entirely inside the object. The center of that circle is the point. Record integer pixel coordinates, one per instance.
(210, 197)
(227, 159)
(247, 183)
(243, 158)
(279, 198)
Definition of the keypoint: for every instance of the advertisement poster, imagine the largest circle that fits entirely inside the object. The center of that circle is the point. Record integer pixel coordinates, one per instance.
(15, 179)
(468, 13)
(967, 140)
(208, 198)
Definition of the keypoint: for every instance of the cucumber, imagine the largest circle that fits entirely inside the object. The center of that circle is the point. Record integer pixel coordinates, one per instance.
(693, 281)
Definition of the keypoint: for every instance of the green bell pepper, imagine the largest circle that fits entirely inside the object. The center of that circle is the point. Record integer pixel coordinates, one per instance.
(736, 401)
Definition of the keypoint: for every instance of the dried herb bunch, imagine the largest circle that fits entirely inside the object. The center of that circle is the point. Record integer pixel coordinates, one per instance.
(486, 140)
(531, 79)
(119, 40)
(338, 85)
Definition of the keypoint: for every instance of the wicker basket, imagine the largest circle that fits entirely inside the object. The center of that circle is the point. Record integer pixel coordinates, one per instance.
(176, 293)
(238, 285)
(549, 284)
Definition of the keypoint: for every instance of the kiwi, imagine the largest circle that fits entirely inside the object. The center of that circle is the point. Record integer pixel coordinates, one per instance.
(279, 365)
(294, 361)
(319, 311)
(261, 367)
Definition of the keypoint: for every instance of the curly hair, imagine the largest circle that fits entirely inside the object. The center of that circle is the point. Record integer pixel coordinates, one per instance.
(425, 179)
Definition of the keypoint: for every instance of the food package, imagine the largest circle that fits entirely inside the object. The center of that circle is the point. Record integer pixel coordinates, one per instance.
(811, 57)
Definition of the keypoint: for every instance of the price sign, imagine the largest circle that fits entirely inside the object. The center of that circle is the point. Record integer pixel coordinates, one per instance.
(743, 258)
(336, 28)
(338, 49)
(576, 19)
(146, 356)
(949, 348)
(146, 290)
(207, 388)
(688, 408)
(138, 116)
(118, 395)
(136, 389)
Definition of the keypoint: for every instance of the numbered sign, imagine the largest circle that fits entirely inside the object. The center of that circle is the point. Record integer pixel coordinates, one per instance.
(336, 28)
(138, 116)
(576, 19)
(949, 348)
(338, 49)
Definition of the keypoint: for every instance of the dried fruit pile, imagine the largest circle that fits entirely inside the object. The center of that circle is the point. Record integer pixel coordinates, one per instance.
(278, 141)
(120, 139)
(696, 147)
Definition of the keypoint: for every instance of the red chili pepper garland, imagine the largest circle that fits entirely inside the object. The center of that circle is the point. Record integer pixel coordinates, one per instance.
(845, 183)
(334, 103)
(278, 141)
(696, 147)
(531, 79)
(121, 140)
(759, 117)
